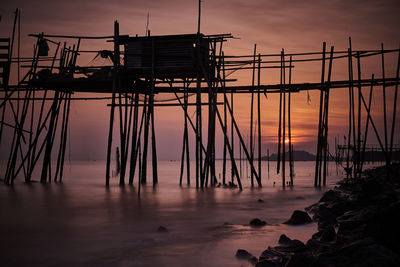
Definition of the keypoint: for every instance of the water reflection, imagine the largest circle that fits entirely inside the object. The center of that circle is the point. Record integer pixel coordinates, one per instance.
(82, 222)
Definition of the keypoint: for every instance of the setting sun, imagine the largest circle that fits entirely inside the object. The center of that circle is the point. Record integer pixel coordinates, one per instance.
(287, 140)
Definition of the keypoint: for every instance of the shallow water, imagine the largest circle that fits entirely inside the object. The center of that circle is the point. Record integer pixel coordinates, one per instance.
(81, 222)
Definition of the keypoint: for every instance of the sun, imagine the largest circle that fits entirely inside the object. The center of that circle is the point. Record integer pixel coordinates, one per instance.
(287, 141)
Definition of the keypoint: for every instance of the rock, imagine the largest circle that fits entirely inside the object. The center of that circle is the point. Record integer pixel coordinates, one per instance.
(288, 245)
(328, 234)
(299, 217)
(300, 260)
(324, 215)
(271, 256)
(256, 222)
(366, 252)
(268, 263)
(162, 229)
(245, 255)
(330, 195)
(373, 255)
(384, 226)
(284, 240)
(292, 246)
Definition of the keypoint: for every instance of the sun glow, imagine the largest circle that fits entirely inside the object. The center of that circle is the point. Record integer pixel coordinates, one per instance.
(287, 141)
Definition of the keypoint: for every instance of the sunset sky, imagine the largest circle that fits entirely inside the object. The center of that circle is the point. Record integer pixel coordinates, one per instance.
(296, 26)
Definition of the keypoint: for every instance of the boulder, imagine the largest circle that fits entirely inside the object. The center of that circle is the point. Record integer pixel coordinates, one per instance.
(291, 247)
(288, 245)
(324, 215)
(284, 240)
(162, 229)
(268, 263)
(328, 234)
(271, 256)
(299, 217)
(300, 260)
(243, 254)
(256, 222)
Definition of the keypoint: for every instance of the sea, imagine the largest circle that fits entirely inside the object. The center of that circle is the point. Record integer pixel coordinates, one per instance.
(81, 222)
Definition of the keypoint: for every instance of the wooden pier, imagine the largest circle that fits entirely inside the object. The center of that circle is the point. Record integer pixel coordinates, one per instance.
(186, 67)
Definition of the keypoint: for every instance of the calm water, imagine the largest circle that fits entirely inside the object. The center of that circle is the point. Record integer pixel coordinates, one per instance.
(81, 222)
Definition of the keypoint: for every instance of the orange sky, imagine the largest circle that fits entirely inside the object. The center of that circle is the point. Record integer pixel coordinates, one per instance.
(297, 26)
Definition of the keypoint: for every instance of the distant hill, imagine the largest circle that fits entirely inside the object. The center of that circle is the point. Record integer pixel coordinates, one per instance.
(299, 155)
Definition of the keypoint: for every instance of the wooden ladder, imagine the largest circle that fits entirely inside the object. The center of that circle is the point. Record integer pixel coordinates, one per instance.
(4, 61)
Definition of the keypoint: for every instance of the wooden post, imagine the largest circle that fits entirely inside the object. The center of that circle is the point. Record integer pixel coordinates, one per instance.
(232, 137)
(199, 133)
(187, 140)
(359, 118)
(367, 124)
(284, 125)
(51, 128)
(251, 113)
(326, 116)
(394, 107)
(348, 173)
(134, 140)
(153, 131)
(289, 125)
(384, 101)
(115, 81)
(225, 125)
(268, 161)
(143, 178)
(259, 115)
(280, 116)
(317, 181)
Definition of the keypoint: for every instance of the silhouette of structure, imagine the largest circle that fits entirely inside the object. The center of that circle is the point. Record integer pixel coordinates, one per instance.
(181, 65)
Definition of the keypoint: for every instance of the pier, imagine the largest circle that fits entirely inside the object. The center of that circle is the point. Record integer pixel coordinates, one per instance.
(184, 68)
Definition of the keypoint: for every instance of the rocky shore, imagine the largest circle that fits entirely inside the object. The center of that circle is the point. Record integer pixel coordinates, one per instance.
(358, 225)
